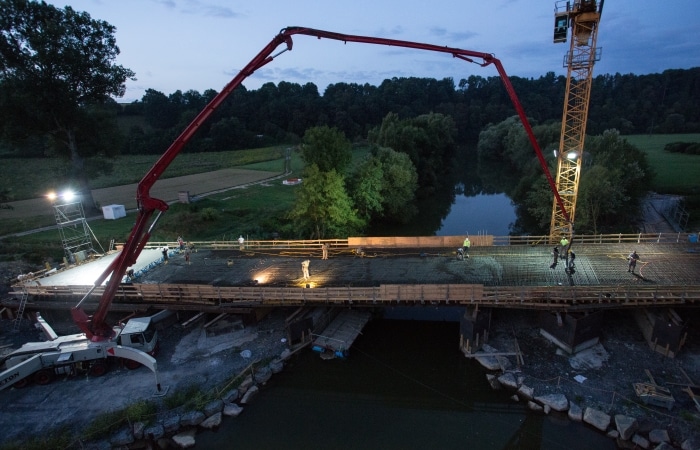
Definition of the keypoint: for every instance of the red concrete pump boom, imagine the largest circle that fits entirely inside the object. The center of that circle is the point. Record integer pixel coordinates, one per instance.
(94, 326)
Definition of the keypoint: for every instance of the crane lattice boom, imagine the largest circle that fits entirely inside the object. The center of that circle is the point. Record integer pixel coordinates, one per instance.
(582, 18)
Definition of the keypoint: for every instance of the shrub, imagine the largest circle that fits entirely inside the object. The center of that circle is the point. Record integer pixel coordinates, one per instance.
(210, 214)
(688, 148)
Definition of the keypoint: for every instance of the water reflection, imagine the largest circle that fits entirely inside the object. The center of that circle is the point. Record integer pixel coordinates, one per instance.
(481, 214)
(471, 199)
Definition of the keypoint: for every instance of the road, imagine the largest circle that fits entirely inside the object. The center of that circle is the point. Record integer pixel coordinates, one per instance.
(198, 185)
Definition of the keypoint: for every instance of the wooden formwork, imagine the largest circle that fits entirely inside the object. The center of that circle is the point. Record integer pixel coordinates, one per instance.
(663, 329)
(419, 241)
(555, 298)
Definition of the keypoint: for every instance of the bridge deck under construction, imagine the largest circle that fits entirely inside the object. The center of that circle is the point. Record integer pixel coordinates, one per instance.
(515, 276)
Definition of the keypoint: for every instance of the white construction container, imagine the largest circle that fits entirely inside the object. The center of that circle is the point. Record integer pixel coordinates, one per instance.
(113, 211)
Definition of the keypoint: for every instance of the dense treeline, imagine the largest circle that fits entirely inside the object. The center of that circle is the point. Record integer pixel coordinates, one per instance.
(632, 104)
(59, 78)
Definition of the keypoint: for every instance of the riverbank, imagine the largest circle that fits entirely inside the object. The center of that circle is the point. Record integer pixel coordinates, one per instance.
(601, 378)
(192, 356)
(210, 358)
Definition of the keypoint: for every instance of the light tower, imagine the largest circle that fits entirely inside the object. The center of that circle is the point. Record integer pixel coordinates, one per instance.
(76, 235)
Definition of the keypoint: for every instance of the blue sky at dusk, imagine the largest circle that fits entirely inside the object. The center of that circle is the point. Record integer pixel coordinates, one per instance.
(200, 44)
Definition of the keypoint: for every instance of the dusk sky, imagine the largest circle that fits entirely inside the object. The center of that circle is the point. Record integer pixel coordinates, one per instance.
(200, 44)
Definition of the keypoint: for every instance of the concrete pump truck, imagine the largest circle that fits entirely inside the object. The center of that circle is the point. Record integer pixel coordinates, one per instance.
(134, 341)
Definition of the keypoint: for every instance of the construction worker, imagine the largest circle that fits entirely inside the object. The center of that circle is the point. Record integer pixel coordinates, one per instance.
(632, 261)
(570, 263)
(555, 253)
(241, 242)
(165, 254)
(564, 244)
(466, 245)
(305, 268)
(324, 249)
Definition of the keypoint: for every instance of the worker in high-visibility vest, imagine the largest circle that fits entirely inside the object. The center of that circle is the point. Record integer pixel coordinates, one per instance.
(564, 243)
(466, 245)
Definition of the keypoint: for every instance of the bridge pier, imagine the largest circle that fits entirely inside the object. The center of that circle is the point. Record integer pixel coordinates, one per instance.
(573, 331)
(474, 328)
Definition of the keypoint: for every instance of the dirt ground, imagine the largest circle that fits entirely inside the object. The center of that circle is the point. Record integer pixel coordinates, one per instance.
(609, 369)
(188, 356)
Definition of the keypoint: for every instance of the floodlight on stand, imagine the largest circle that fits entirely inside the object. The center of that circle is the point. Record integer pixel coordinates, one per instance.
(76, 235)
(556, 153)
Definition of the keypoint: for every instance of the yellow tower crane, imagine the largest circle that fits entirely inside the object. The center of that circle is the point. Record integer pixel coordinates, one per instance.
(582, 17)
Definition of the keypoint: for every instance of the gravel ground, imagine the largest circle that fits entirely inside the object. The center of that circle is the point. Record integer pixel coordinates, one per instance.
(188, 356)
(610, 368)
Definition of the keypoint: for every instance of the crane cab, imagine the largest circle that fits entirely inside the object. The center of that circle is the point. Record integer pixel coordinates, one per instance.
(561, 26)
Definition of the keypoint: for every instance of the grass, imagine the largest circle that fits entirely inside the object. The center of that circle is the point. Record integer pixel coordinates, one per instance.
(258, 210)
(191, 398)
(32, 178)
(102, 426)
(255, 211)
(675, 173)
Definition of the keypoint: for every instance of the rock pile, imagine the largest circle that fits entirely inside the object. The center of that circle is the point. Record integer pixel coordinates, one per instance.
(179, 430)
(624, 429)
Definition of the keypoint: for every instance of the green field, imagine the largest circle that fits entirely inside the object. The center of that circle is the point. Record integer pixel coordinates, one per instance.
(253, 211)
(33, 178)
(675, 173)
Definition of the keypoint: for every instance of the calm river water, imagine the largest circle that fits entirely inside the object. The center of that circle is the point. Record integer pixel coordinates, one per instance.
(405, 385)
(479, 214)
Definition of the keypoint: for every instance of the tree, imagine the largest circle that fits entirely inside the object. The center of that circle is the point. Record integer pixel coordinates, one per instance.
(54, 65)
(158, 110)
(428, 139)
(400, 182)
(327, 148)
(323, 208)
(597, 195)
(366, 187)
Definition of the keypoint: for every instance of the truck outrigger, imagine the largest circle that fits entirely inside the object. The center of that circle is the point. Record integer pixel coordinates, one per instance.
(133, 343)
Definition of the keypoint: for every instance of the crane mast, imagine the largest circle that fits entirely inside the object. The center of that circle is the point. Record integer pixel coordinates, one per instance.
(582, 18)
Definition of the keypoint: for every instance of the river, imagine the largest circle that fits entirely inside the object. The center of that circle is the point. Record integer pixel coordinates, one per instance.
(479, 214)
(405, 385)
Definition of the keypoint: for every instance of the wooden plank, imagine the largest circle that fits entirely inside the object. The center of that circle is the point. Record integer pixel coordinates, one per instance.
(340, 334)
(215, 319)
(186, 323)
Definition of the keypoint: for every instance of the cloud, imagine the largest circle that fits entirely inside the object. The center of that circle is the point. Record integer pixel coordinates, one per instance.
(196, 7)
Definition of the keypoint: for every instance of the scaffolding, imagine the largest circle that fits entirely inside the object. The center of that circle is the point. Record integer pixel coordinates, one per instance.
(76, 235)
